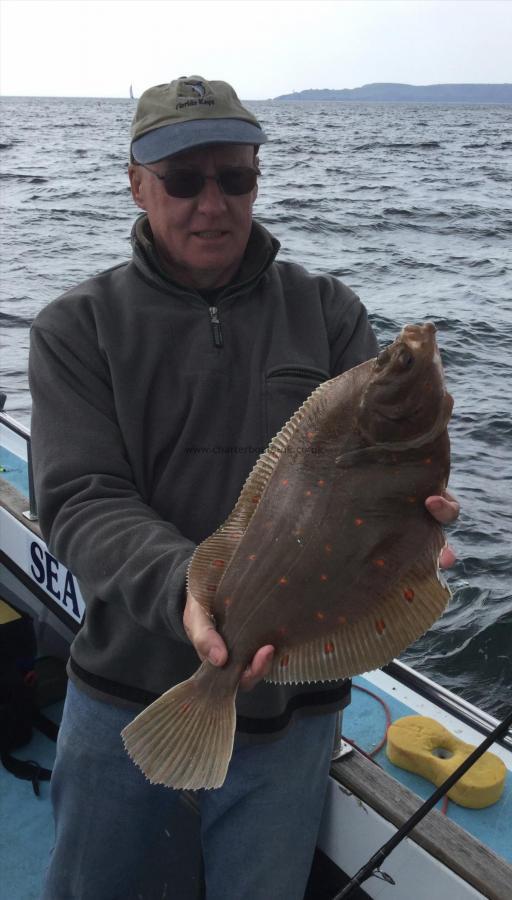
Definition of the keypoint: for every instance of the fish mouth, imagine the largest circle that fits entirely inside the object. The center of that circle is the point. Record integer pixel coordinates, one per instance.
(419, 338)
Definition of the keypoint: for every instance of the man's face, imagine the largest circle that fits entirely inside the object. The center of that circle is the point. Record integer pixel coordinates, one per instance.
(201, 240)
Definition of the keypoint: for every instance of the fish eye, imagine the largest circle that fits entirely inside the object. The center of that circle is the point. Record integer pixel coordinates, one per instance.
(406, 359)
(383, 358)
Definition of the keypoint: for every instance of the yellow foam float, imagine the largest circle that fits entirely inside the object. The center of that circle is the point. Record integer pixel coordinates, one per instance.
(423, 746)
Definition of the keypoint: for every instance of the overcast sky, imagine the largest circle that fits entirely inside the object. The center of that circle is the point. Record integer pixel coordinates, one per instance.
(263, 47)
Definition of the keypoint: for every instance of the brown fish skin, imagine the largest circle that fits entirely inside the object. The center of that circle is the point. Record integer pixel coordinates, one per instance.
(329, 554)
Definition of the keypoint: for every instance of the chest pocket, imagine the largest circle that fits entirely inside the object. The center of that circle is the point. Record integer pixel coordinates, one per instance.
(286, 388)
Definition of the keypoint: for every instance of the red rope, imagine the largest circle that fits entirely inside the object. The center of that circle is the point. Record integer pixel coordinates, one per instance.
(387, 712)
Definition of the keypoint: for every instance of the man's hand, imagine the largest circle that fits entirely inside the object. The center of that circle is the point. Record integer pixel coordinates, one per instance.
(445, 508)
(209, 644)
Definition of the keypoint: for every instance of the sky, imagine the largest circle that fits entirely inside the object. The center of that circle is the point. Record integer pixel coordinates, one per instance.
(97, 48)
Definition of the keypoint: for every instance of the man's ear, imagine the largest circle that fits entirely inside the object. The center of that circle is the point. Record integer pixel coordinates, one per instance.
(135, 176)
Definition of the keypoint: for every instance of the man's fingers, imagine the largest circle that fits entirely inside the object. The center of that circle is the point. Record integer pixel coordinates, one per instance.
(258, 668)
(444, 507)
(201, 631)
(209, 644)
(447, 557)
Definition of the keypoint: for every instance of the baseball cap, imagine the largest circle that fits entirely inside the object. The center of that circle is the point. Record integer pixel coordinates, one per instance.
(190, 112)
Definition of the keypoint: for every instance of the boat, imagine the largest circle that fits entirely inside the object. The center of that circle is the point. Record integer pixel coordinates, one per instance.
(459, 853)
(131, 92)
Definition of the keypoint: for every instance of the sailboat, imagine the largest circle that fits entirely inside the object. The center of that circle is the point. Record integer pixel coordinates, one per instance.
(131, 93)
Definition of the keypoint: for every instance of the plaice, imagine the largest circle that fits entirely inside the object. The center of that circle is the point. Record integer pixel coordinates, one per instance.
(329, 553)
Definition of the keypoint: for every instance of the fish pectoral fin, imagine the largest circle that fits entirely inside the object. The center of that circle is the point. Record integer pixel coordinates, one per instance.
(370, 640)
(184, 740)
(363, 456)
(383, 454)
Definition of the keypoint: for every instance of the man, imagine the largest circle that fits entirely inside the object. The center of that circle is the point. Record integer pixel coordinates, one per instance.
(155, 386)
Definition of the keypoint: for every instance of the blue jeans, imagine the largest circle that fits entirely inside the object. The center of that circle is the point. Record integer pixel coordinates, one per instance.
(258, 830)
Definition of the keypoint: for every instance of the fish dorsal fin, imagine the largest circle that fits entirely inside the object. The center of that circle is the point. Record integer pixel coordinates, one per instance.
(212, 557)
(353, 647)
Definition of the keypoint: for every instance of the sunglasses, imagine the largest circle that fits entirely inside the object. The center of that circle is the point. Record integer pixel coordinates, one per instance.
(234, 181)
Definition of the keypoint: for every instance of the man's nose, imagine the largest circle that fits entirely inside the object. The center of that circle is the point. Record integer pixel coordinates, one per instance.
(211, 195)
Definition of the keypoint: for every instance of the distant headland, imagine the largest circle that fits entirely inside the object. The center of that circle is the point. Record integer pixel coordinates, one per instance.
(433, 93)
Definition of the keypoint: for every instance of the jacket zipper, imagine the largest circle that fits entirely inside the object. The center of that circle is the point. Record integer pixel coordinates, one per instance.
(216, 327)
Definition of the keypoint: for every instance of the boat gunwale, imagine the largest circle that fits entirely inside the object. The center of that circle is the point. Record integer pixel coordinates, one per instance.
(438, 835)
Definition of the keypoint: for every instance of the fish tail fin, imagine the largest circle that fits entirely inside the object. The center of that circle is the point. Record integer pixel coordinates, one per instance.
(184, 740)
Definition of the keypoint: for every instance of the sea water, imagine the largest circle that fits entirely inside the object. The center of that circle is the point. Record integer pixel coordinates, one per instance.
(409, 204)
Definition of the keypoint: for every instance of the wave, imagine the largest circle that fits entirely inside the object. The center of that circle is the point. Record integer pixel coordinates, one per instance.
(10, 320)
(472, 635)
(401, 145)
(31, 179)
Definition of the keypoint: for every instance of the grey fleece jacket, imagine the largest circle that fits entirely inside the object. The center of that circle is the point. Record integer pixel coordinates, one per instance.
(149, 411)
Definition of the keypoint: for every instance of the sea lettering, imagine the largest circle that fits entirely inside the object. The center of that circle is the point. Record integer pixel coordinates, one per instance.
(37, 567)
(70, 593)
(57, 580)
(52, 575)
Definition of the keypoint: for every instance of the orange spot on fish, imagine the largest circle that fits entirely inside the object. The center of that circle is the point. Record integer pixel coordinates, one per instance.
(211, 587)
(284, 481)
(379, 562)
(409, 594)
(412, 499)
(324, 577)
(283, 580)
(283, 662)
(341, 620)
(252, 557)
(328, 548)
(358, 522)
(380, 626)
(321, 483)
(307, 493)
(428, 460)
(228, 601)
(319, 616)
(329, 647)
(256, 498)
(186, 706)
(218, 563)
(310, 435)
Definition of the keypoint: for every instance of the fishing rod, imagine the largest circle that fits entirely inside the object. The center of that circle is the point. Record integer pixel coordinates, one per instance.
(373, 864)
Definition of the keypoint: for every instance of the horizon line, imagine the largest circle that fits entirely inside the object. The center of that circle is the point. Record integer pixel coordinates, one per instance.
(259, 99)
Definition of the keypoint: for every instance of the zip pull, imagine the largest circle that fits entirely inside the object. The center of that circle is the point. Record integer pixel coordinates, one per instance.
(216, 327)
